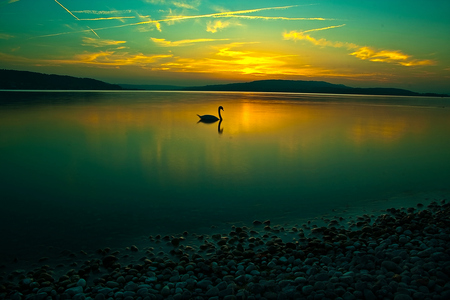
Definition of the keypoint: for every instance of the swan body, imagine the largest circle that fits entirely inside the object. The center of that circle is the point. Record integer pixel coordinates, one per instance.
(211, 118)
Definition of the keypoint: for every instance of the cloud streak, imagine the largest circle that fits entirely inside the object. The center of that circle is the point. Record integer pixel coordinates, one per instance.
(361, 52)
(101, 43)
(165, 43)
(67, 10)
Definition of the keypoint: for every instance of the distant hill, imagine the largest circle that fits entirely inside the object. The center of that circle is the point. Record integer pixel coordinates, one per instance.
(301, 86)
(150, 87)
(24, 80)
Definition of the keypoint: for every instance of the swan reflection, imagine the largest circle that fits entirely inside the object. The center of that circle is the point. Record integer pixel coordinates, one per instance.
(219, 129)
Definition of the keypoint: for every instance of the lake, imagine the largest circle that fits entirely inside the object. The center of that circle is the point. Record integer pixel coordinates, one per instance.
(83, 170)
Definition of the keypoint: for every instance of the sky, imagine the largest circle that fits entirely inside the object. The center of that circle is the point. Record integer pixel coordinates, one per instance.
(396, 43)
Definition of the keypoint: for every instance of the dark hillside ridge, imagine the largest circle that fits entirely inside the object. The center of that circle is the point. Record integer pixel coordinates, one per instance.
(301, 86)
(24, 80)
(151, 87)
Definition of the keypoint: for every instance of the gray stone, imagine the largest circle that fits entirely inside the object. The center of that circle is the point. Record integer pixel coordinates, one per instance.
(326, 260)
(40, 296)
(307, 289)
(74, 290)
(105, 291)
(212, 292)
(129, 294)
(256, 288)
(391, 266)
(204, 284)
(47, 289)
(120, 279)
(346, 279)
(369, 295)
(79, 296)
(348, 296)
(322, 277)
(142, 292)
(222, 285)
(165, 291)
(131, 286)
(81, 283)
(102, 297)
(112, 284)
(402, 297)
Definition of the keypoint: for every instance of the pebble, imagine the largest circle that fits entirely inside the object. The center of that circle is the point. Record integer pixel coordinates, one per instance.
(402, 255)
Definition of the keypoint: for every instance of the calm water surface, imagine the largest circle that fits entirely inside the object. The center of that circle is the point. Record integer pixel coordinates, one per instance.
(81, 170)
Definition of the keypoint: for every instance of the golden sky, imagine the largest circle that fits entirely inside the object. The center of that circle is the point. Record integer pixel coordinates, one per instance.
(197, 42)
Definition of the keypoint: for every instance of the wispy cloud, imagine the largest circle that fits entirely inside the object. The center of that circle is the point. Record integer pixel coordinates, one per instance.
(103, 12)
(4, 36)
(165, 43)
(113, 59)
(191, 4)
(216, 25)
(362, 52)
(324, 28)
(101, 42)
(106, 18)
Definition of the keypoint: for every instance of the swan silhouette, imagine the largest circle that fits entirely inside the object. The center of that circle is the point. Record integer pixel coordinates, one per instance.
(211, 118)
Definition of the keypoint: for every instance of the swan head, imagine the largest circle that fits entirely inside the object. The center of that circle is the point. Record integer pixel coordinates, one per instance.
(220, 108)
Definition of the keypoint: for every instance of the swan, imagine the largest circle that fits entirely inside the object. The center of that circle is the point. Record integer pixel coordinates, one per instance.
(211, 118)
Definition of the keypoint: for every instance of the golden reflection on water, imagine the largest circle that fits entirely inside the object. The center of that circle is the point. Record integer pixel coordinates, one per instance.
(165, 142)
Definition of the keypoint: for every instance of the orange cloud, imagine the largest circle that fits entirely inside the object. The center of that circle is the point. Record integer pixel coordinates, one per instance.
(389, 56)
(363, 53)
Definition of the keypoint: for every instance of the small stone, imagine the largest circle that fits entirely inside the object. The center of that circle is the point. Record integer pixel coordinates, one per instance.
(165, 291)
(81, 283)
(307, 289)
(391, 266)
(134, 248)
(212, 292)
(109, 260)
(75, 290)
(112, 284)
(402, 297)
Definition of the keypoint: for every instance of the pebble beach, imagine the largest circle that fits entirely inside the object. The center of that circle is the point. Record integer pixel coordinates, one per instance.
(398, 253)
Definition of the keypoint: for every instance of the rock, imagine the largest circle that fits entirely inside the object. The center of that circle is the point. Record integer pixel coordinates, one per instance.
(307, 289)
(402, 297)
(74, 290)
(100, 297)
(109, 260)
(369, 295)
(131, 286)
(81, 283)
(391, 266)
(112, 284)
(165, 291)
(212, 292)
(204, 284)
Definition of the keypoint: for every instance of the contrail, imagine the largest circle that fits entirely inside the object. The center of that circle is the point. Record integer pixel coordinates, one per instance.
(67, 10)
(324, 28)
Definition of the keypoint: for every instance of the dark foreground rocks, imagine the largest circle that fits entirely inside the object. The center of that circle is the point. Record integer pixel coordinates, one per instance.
(402, 254)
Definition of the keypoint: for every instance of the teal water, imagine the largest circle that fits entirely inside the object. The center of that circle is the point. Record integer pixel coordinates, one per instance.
(80, 170)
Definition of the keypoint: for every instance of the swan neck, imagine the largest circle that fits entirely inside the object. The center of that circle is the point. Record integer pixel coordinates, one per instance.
(220, 116)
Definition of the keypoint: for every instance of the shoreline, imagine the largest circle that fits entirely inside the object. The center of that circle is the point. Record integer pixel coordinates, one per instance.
(396, 254)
